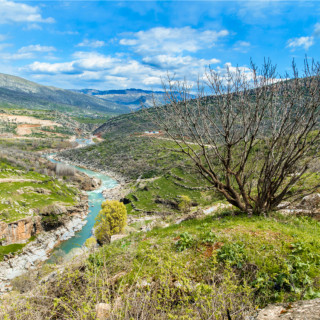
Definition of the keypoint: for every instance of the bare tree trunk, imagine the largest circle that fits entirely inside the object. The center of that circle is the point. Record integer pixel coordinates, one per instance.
(252, 135)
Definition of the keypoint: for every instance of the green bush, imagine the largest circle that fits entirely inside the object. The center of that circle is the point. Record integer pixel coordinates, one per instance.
(111, 220)
(185, 203)
(185, 241)
(90, 243)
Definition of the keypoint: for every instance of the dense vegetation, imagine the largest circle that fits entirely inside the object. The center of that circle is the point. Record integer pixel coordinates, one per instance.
(210, 267)
(181, 257)
(130, 156)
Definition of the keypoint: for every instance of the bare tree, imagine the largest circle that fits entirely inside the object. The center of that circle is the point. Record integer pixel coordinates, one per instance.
(64, 170)
(251, 133)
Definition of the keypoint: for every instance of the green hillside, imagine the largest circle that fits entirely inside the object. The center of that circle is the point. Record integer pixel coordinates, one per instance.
(18, 92)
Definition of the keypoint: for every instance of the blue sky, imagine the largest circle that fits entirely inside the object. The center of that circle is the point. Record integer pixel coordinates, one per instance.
(132, 44)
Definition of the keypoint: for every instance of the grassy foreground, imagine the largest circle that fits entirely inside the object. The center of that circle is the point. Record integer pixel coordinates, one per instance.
(199, 269)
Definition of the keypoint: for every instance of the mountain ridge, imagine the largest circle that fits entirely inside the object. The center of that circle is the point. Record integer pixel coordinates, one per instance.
(20, 92)
(132, 98)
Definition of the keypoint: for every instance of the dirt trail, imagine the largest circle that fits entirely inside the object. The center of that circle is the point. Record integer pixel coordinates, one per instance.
(3, 180)
(28, 120)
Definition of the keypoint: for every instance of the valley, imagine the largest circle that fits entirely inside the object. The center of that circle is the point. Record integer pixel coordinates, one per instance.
(186, 252)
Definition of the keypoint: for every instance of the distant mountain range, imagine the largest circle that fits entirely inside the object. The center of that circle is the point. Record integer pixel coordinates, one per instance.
(19, 92)
(132, 98)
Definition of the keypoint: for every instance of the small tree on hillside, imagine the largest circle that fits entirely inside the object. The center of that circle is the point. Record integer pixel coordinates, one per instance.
(111, 220)
(250, 133)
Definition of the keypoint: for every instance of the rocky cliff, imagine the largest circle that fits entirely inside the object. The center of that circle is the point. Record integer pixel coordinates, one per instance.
(49, 218)
(20, 231)
(71, 220)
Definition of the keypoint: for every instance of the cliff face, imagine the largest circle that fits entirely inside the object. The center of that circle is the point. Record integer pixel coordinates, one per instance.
(22, 230)
(37, 251)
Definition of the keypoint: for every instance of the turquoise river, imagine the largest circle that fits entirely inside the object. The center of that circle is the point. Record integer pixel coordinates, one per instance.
(95, 200)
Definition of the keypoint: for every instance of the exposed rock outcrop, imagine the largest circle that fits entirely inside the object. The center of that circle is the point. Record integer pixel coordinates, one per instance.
(39, 250)
(20, 231)
(300, 310)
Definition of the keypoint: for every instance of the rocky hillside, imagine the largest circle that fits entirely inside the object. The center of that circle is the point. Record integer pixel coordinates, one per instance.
(21, 92)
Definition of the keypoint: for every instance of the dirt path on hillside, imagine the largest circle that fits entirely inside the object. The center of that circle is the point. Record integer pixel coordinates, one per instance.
(28, 120)
(8, 180)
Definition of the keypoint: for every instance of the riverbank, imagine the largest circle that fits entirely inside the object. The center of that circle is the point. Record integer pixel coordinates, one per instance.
(46, 242)
(95, 198)
(39, 250)
(110, 173)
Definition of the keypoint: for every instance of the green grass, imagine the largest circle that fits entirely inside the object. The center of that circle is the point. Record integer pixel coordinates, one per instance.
(11, 248)
(149, 196)
(90, 120)
(35, 144)
(130, 156)
(25, 198)
(278, 257)
(199, 269)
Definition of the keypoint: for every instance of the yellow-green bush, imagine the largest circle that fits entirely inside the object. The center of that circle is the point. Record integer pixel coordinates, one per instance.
(90, 243)
(111, 220)
(185, 203)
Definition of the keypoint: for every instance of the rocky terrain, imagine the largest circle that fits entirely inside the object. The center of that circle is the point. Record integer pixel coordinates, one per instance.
(37, 212)
(47, 237)
(300, 310)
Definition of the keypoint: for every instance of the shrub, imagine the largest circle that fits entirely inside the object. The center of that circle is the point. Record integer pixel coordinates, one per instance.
(185, 241)
(90, 243)
(110, 220)
(184, 203)
(64, 170)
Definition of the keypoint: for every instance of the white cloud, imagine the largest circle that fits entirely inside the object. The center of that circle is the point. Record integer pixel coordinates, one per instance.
(67, 32)
(242, 46)
(19, 12)
(119, 71)
(172, 40)
(305, 42)
(317, 29)
(91, 43)
(83, 61)
(33, 26)
(93, 61)
(228, 67)
(5, 45)
(51, 68)
(171, 62)
(36, 48)
(16, 56)
(27, 52)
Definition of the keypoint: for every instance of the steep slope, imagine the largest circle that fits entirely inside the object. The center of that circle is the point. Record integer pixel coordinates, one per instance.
(23, 93)
(127, 124)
